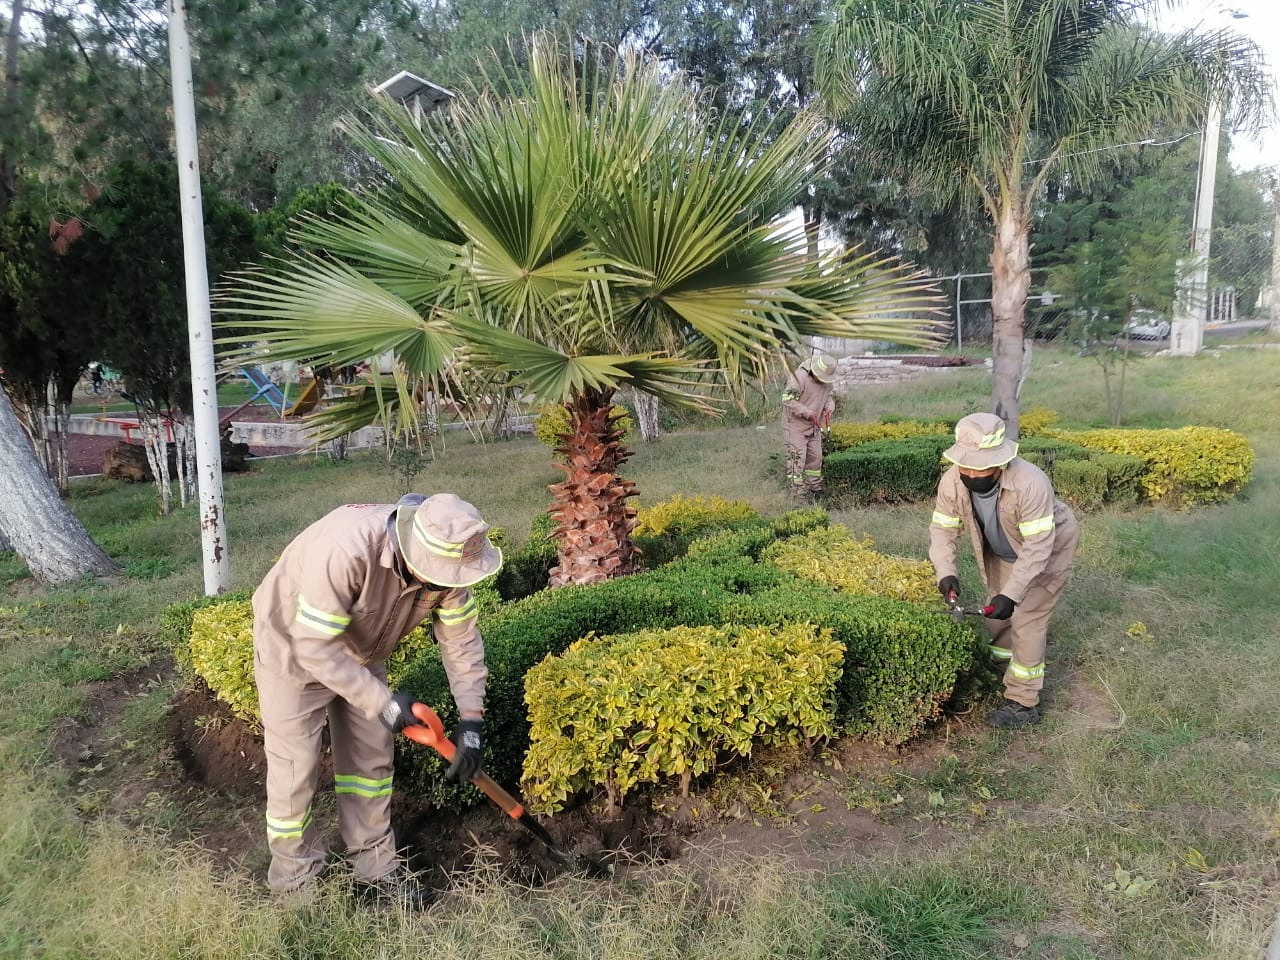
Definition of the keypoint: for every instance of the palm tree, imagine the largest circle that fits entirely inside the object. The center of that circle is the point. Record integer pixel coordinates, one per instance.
(986, 99)
(591, 228)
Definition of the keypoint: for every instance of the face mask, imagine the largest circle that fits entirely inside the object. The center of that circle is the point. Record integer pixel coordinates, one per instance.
(980, 484)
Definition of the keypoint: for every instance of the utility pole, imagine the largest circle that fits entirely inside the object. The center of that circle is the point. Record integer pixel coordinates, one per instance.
(1191, 308)
(204, 386)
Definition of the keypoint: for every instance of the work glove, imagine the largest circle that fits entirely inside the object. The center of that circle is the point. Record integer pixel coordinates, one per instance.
(1000, 608)
(398, 713)
(468, 750)
(949, 587)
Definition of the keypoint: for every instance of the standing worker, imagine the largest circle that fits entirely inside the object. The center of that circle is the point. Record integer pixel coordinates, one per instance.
(1025, 540)
(342, 596)
(807, 406)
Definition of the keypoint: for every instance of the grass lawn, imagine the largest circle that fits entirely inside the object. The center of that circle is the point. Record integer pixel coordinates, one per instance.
(1141, 820)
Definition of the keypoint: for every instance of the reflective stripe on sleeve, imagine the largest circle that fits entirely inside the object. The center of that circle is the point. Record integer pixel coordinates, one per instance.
(362, 786)
(288, 829)
(451, 615)
(1030, 528)
(944, 521)
(1026, 673)
(790, 396)
(329, 623)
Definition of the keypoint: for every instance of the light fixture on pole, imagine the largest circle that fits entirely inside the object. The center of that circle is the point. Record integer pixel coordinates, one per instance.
(419, 96)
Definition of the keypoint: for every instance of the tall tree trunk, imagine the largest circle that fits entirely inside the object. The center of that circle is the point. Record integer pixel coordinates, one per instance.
(43, 531)
(647, 407)
(593, 518)
(1010, 280)
(9, 112)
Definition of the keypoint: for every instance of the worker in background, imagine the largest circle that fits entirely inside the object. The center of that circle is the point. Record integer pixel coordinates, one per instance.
(342, 596)
(1025, 541)
(807, 406)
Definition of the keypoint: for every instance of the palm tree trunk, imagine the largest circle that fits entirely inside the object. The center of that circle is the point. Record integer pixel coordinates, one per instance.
(593, 519)
(1010, 280)
(42, 530)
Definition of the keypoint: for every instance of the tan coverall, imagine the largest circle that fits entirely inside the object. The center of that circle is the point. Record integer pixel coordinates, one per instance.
(804, 400)
(1043, 533)
(325, 619)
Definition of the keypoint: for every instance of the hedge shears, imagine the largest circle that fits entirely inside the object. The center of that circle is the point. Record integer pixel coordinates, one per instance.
(959, 612)
(429, 731)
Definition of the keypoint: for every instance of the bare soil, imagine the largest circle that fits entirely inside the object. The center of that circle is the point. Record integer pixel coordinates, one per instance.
(840, 804)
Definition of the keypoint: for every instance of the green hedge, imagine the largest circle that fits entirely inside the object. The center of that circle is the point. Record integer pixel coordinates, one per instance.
(887, 471)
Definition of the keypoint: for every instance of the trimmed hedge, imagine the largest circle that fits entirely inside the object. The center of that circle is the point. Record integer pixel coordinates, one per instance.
(1184, 467)
(831, 556)
(887, 471)
(844, 435)
(901, 664)
(616, 712)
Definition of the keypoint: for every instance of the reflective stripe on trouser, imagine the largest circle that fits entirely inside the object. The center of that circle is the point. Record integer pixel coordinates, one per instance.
(1020, 640)
(802, 443)
(292, 720)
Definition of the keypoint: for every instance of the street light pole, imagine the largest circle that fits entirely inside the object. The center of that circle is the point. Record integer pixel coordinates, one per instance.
(1192, 307)
(204, 386)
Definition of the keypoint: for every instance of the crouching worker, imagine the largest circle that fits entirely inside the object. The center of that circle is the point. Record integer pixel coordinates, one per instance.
(807, 406)
(1025, 540)
(343, 595)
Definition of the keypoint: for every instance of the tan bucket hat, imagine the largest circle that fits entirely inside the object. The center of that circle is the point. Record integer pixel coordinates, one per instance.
(823, 367)
(443, 541)
(981, 443)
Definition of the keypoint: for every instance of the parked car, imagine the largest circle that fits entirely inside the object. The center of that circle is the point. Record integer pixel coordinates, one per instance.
(1147, 325)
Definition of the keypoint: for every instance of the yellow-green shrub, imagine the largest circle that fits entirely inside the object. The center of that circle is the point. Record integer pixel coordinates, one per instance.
(844, 435)
(220, 650)
(643, 707)
(684, 515)
(553, 422)
(1185, 467)
(1036, 422)
(831, 556)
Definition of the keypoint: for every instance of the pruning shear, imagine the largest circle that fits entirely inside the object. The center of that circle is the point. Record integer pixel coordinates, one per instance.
(958, 612)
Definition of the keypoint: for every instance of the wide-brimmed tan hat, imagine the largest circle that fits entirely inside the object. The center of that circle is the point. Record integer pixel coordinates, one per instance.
(443, 541)
(823, 367)
(981, 443)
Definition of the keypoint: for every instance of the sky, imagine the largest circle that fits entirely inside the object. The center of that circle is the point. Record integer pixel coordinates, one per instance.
(1261, 23)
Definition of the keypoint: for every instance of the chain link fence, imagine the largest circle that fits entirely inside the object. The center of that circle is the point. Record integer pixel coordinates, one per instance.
(1244, 282)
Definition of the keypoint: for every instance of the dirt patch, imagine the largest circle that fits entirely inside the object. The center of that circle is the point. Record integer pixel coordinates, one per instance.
(215, 747)
(77, 741)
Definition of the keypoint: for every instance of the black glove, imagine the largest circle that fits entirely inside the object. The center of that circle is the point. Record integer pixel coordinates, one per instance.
(468, 753)
(398, 713)
(1001, 607)
(949, 587)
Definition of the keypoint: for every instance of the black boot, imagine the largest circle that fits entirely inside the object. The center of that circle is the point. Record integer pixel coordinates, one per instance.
(1011, 715)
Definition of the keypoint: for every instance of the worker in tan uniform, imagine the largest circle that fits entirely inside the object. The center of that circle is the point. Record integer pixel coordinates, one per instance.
(344, 593)
(1025, 540)
(807, 406)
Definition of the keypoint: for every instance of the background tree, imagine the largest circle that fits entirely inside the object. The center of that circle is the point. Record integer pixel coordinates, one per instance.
(992, 97)
(595, 228)
(38, 525)
(125, 276)
(44, 345)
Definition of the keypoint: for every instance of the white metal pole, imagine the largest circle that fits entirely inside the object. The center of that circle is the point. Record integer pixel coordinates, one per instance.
(1187, 337)
(213, 524)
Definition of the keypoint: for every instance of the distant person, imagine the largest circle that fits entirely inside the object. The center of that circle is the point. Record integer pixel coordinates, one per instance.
(1025, 540)
(95, 377)
(327, 616)
(807, 406)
